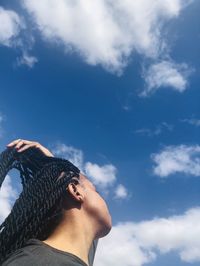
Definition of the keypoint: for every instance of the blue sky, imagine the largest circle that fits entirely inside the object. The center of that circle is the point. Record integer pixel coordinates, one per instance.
(115, 88)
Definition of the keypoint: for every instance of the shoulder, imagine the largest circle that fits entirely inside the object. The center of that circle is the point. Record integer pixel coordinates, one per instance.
(26, 255)
(20, 257)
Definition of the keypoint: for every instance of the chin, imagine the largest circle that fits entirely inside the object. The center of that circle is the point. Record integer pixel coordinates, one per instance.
(105, 229)
(105, 232)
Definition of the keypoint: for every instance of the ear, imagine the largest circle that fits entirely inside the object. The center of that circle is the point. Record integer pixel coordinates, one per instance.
(76, 192)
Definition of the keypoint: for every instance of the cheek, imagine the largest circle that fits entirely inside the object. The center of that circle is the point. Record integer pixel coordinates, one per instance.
(97, 205)
(105, 220)
(102, 212)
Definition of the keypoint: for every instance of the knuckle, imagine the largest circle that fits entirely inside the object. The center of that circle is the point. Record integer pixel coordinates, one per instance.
(37, 144)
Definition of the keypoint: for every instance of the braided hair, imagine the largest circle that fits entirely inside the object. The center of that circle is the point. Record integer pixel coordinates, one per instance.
(38, 209)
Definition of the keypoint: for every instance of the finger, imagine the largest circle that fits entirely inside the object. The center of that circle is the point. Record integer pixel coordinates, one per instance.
(27, 146)
(14, 142)
(21, 142)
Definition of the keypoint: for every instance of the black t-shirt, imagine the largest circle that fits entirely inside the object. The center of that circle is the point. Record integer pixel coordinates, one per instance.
(38, 253)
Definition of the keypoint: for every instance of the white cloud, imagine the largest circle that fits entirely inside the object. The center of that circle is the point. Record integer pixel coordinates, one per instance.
(10, 26)
(27, 60)
(166, 74)
(102, 176)
(136, 244)
(177, 159)
(7, 196)
(108, 32)
(121, 192)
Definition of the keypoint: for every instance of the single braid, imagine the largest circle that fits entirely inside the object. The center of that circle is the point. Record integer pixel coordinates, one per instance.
(38, 209)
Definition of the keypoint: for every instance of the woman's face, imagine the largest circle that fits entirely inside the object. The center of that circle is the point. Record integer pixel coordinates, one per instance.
(96, 207)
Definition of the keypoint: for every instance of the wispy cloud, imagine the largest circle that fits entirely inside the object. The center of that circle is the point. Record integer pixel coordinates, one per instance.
(2, 118)
(10, 27)
(159, 129)
(27, 60)
(177, 159)
(113, 33)
(7, 197)
(70, 153)
(192, 121)
(136, 244)
(14, 34)
(166, 74)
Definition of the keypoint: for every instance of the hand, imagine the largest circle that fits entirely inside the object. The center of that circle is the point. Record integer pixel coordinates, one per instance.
(22, 145)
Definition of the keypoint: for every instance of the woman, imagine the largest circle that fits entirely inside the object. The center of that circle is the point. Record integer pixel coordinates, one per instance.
(58, 217)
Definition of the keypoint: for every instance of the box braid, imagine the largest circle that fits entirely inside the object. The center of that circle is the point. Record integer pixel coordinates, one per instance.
(38, 210)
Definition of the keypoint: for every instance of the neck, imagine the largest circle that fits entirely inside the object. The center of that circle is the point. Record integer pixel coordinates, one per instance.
(72, 235)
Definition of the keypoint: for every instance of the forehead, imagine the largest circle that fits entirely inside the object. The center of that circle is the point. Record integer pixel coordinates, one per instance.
(85, 180)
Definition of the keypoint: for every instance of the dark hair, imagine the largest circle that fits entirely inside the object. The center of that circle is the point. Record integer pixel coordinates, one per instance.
(38, 210)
